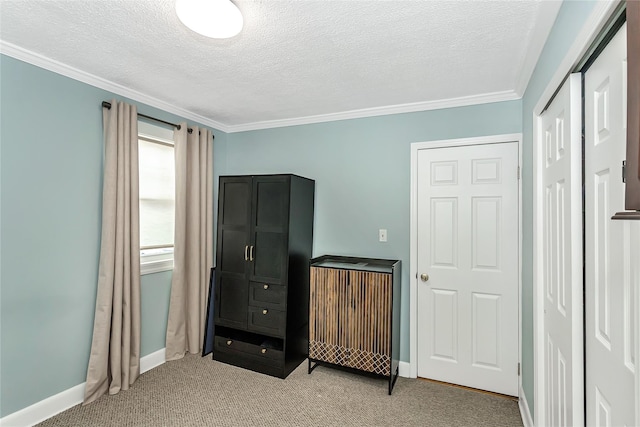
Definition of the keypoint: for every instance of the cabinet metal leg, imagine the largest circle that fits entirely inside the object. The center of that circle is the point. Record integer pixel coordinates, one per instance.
(311, 368)
(392, 380)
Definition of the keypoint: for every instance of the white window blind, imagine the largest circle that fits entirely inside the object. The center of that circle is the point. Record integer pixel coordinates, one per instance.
(157, 194)
(157, 197)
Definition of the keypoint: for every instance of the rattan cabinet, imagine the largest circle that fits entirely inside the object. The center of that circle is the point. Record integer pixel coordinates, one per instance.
(264, 243)
(354, 308)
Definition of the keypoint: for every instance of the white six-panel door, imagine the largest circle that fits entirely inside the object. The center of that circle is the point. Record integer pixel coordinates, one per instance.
(611, 254)
(467, 220)
(560, 142)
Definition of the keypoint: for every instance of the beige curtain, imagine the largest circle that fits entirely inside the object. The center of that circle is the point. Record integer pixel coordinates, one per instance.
(193, 244)
(114, 362)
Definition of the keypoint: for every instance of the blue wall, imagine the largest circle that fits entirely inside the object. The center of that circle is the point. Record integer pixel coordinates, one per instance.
(362, 173)
(569, 22)
(51, 186)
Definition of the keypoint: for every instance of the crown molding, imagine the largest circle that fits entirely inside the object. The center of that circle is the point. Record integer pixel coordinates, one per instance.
(57, 67)
(380, 111)
(549, 10)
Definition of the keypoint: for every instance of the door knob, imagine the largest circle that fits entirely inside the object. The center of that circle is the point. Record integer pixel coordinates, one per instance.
(424, 277)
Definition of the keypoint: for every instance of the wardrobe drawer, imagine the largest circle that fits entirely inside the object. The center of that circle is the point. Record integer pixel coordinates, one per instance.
(267, 321)
(259, 353)
(267, 295)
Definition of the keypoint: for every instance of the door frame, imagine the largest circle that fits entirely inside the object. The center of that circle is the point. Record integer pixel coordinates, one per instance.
(599, 16)
(413, 237)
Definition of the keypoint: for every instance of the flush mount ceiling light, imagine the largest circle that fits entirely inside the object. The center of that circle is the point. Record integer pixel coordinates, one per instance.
(218, 19)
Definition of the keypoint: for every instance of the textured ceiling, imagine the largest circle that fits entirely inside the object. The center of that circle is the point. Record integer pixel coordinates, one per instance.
(293, 59)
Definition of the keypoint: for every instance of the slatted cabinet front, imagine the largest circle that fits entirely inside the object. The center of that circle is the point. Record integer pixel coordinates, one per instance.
(350, 318)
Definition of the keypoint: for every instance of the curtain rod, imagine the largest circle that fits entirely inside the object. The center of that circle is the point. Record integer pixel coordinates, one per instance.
(107, 105)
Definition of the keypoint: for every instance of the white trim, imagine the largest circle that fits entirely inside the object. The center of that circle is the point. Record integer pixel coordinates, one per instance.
(41, 61)
(413, 237)
(380, 111)
(520, 240)
(404, 369)
(156, 266)
(591, 28)
(413, 264)
(66, 399)
(549, 9)
(525, 413)
(538, 276)
(46, 408)
(152, 360)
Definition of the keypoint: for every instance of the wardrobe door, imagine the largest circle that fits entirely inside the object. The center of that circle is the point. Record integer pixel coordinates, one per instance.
(269, 229)
(232, 286)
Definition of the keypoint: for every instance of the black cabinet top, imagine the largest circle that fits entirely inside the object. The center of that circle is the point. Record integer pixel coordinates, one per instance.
(266, 175)
(355, 263)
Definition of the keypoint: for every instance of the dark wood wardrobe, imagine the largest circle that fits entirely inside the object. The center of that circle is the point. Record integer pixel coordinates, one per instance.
(264, 244)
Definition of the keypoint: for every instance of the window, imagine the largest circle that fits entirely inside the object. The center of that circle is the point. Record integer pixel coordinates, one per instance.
(157, 197)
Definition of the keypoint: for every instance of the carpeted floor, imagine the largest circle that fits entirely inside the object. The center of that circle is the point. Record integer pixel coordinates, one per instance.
(198, 391)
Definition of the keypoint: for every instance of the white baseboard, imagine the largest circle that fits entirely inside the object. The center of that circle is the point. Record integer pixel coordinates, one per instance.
(44, 409)
(525, 413)
(152, 360)
(404, 369)
(64, 400)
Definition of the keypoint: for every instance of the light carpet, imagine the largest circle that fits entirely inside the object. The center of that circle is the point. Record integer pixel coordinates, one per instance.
(197, 391)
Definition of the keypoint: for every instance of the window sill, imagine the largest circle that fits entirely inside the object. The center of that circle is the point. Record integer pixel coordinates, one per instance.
(156, 266)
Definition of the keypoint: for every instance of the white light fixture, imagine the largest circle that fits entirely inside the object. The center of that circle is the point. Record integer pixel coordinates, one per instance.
(218, 19)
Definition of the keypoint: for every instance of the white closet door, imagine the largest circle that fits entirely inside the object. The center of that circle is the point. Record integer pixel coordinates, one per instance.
(610, 267)
(560, 144)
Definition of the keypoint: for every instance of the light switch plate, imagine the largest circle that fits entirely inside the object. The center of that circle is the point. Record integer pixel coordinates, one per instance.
(382, 235)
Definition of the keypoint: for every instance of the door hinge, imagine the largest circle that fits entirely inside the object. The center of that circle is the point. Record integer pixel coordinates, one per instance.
(518, 172)
(518, 369)
(624, 171)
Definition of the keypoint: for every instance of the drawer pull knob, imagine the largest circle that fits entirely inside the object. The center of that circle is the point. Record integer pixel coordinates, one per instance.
(229, 342)
(265, 287)
(264, 350)
(265, 311)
